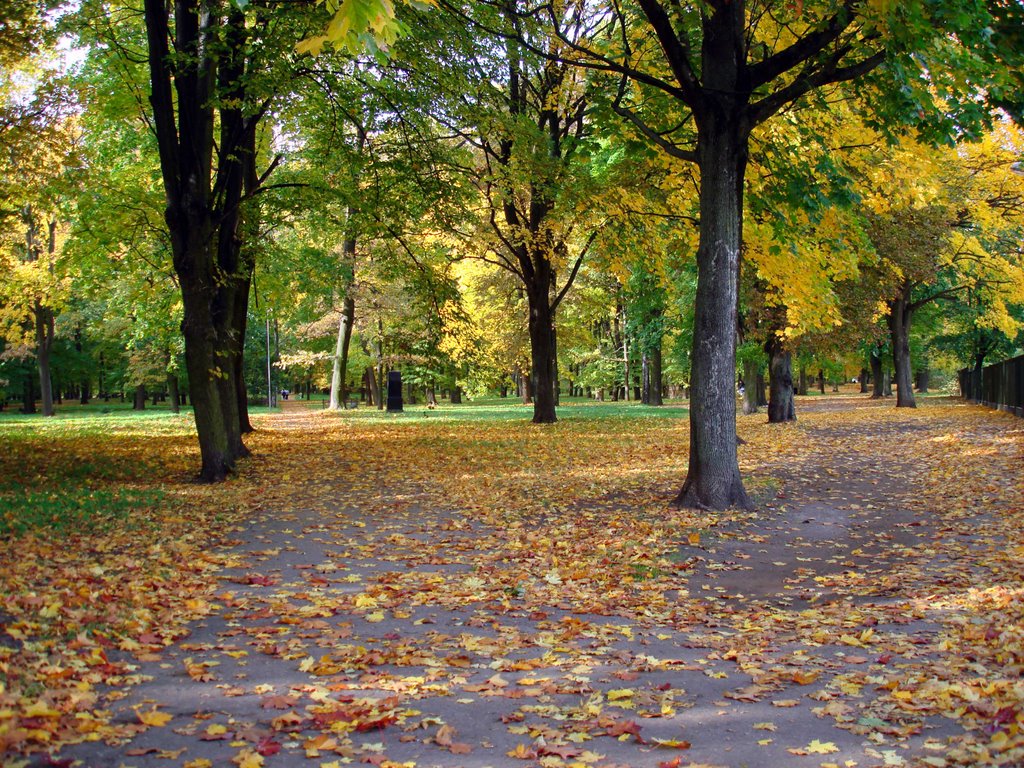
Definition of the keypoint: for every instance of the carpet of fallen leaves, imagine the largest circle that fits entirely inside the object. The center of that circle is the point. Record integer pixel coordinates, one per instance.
(588, 613)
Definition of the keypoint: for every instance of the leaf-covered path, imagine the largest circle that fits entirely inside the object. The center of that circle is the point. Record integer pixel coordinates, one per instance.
(438, 592)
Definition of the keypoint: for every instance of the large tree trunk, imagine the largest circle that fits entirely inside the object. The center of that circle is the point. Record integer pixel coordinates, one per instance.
(139, 400)
(750, 369)
(541, 351)
(193, 91)
(900, 315)
(713, 476)
(781, 405)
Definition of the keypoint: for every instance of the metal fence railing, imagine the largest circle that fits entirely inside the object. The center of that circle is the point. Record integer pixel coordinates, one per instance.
(999, 386)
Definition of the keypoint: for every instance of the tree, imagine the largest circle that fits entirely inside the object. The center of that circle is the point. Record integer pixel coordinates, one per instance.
(696, 79)
(212, 82)
(39, 140)
(945, 222)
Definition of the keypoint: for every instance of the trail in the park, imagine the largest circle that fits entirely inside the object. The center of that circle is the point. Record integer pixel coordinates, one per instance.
(445, 593)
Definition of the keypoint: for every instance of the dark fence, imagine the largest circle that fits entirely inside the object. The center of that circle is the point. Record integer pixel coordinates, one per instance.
(999, 386)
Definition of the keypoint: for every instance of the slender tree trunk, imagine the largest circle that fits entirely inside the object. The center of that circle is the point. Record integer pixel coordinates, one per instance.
(627, 374)
(781, 405)
(900, 315)
(339, 367)
(863, 379)
(657, 396)
(750, 370)
(371, 385)
(239, 325)
(762, 395)
(172, 392)
(821, 381)
(713, 476)
(802, 385)
(877, 375)
(44, 343)
(28, 392)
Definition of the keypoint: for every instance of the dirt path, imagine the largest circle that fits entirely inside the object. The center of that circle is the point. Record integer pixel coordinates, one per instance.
(368, 621)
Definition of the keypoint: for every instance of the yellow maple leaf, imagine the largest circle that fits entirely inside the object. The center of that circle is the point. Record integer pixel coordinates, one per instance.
(817, 747)
(155, 718)
(248, 758)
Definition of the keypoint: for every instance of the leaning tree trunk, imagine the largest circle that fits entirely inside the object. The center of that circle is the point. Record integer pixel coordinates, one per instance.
(713, 475)
(900, 315)
(750, 370)
(781, 405)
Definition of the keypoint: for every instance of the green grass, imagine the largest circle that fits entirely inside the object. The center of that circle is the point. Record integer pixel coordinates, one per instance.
(512, 409)
(67, 507)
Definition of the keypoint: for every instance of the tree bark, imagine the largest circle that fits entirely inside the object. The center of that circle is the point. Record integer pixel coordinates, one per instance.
(877, 375)
(200, 87)
(173, 393)
(923, 379)
(455, 398)
(750, 371)
(28, 392)
(900, 315)
(339, 368)
(139, 401)
(821, 380)
(651, 393)
(371, 383)
(781, 404)
(44, 343)
(541, 349)
(863, 379)
(713, 476)
(802, 385)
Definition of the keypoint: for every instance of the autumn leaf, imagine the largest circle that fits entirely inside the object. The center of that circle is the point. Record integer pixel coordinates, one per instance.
(155, 718)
